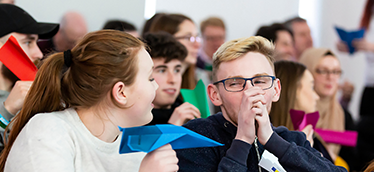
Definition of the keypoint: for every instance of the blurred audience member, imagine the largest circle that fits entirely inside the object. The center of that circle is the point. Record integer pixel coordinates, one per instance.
(122, 26)
(213, 32)
(7, 1)
(326, 70)
(302, 41)
(282, 38)
(301, 33)
(72, 28)
(148, 23)
(168, 55)
(365, 138)
(365, 45)
(184, 30)
(298, 93)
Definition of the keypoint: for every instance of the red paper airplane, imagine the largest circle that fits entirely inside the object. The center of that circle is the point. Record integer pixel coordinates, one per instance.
(16, 60)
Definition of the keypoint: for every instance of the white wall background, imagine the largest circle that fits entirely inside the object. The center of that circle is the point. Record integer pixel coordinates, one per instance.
(96, 12)
(242, 17)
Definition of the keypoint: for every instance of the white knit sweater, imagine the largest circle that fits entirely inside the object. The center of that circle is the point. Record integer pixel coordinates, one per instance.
(59, 141)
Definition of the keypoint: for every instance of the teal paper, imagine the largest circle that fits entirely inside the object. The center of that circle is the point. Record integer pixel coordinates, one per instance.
(348, 37)
(198, 98)
(149, 138)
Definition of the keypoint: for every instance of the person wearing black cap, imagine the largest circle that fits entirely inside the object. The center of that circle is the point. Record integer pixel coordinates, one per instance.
(18, 23)
(7, 1)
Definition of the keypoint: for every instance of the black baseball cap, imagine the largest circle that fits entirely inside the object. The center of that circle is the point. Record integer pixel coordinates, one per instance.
(15, 19)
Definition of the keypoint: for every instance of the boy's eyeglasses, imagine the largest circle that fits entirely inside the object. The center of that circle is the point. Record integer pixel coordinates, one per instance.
(238, 84)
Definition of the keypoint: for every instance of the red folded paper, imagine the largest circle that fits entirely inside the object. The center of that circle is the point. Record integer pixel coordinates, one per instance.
(16, 60)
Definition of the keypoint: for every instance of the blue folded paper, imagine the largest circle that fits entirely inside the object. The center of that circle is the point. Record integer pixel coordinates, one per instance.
(149, 138)
(348, 37)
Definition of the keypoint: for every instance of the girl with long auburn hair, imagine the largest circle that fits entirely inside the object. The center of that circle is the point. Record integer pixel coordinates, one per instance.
(75, 105)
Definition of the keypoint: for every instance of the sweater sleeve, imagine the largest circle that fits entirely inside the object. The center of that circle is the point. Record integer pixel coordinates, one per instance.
(236, 157)
(298, 155)
(232, 157)
(43, 145)
(208, 159)
(4, 112)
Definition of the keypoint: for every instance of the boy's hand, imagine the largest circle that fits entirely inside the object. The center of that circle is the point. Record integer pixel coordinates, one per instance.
(264, 130)
(15, 100)
(184, 113)
(248, 111)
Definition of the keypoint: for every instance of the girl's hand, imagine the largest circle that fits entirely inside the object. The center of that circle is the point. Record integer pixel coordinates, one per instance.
(163, 159)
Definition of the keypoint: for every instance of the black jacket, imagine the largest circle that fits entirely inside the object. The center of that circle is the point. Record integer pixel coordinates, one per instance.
(291, 148)
(162, 116)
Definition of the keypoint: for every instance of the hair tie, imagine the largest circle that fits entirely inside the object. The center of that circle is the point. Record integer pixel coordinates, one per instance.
(68, 58)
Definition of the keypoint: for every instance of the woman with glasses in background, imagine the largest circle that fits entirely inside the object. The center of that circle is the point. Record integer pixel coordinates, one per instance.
(185, 31)
(298, 93)
(326, 70)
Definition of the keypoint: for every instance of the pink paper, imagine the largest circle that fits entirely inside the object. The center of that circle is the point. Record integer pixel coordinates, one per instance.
(300, 120)
(346, 138)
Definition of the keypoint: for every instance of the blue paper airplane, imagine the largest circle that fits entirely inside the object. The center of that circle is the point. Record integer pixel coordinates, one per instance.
(348, 37)
(149, 138)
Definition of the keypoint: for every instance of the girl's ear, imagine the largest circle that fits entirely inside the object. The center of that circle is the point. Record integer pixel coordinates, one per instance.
(277, 88)
(119, 93)
(214, 95)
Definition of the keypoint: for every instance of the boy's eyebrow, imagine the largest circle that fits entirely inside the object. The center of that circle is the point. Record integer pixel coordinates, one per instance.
(261, 74)
(161, 66)
(241, 76)
(236, 76)
(178, 66)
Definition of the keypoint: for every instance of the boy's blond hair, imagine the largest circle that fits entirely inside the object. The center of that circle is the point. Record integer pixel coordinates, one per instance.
(237, 48)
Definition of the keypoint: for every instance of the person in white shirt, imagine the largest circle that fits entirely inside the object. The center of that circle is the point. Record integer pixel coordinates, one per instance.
(75, 105)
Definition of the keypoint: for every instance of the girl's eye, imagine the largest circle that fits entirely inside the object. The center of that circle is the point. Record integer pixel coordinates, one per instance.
(152, 79)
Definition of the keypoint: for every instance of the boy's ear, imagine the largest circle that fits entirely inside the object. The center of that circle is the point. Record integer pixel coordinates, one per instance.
(214, 95)
(119, 93)
(277, 88)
